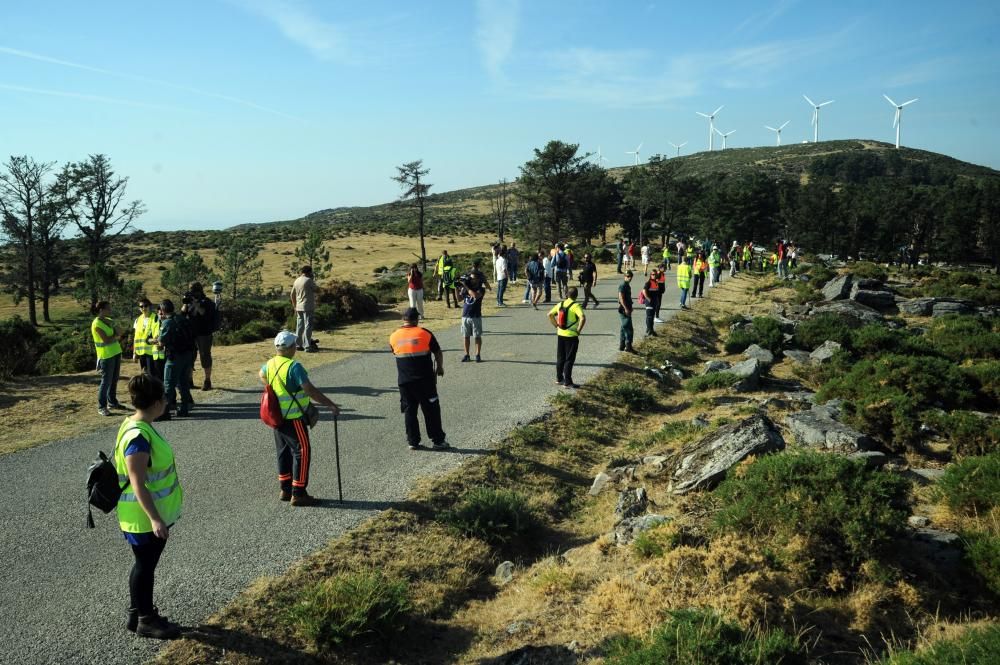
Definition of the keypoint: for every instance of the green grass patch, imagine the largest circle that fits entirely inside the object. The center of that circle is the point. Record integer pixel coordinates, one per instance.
(812, 332)
(982, 555)
(972, 485)
(967, 433)
(713, 381)
(977, 646)
(633, 395)
(496, 516)
(763, 331)
(534, 436)
(657, 541)
(868, 270)
(960, 338)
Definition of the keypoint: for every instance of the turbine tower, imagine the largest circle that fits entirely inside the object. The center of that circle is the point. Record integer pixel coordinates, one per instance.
(815, 120)
(778, 130)
(897, 121)
(678, 147)
(724, 136)
(600, 157)
(635, 152)
(711, 125)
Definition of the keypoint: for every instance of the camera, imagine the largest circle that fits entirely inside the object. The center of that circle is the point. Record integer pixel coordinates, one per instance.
(188, 298)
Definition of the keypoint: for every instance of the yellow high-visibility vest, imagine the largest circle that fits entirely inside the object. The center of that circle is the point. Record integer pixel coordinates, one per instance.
(105, 350)
(292, 403)
(161, 479)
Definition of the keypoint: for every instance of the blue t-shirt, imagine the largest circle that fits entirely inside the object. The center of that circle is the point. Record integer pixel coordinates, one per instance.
(138, 445)
(297, 376)
(472, 308)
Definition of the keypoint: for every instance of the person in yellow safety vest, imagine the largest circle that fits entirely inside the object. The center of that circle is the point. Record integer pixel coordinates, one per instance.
(290, 382)
(142, 350)
(714, 266)
(568, 319)
(150, 502)
(444, 262)
(689, 251)
(747, 255)
(684, 281)
(158, 357)
(109, 358)
(666, 256)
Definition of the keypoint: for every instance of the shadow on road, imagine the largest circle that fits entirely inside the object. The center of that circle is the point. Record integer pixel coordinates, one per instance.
(237, 641)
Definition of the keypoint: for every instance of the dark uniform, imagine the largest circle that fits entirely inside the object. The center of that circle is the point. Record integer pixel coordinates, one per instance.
(413, 347)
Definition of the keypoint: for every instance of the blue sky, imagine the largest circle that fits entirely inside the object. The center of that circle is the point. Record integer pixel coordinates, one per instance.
(231, 111)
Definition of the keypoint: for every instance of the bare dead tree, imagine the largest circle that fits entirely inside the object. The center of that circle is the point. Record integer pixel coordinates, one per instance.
(500, 204)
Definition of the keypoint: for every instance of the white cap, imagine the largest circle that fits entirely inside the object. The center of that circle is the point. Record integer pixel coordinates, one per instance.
(284, 340)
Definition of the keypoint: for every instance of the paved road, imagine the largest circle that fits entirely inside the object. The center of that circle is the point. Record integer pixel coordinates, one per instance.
(63, 588)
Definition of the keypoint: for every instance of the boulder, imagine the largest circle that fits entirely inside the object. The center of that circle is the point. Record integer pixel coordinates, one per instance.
(801, 357)
(917, 521)
(988, 311)
(824, 352)
(882, 301)
(852, 310)
(748, 373)
(944, 307)
(700, 421)
(628, 529)
(760, 353)
(550, 654)
(740, 323)
(631, 503)
(838, 288)
(600, 482)
(943, 548)
(713, 366)
(874, 459)
(819, 428)
(865, 284)
(916, 306)
(505, 572)
(925, 476)
(702, 464)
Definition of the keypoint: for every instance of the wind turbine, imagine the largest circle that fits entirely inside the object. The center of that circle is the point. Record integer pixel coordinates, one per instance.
(815, 120)
(778, 130)
(711, 125)
(678, 147)
(896, 122)
(636, 153)
(724, 136)
(600, 157)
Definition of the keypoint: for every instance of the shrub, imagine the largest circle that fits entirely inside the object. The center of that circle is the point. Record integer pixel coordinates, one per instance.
(867, 270)
(875, 339)
(701, 637)
(806, 292)
(985, 377)
(531, 435)
(387, 290)
(344, 301)
(656, 541)
(19, 347)
(982, 554)
(350, 606)
(72, 352)
(494, 515)
(713, 381)
(819, 274)
(962, 337)
(967, 433)
(763, 331)
(633, 395)
(811, 333)
(972, 485)
(886, 396)
(738, 340)
(977, 646)
(845, 512)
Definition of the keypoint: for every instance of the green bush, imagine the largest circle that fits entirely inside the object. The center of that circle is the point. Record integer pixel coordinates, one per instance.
(20, 345)
(867, 270)
(713, 381)
(819, 274)
(977, 646)
(985, 377)
(980, 288)
(959, 338)
(875, 339)
(739, 340)
(806, 292)
(967, 433)
(654, 542)
(812, 332)
(71, 352)
(497, 516)
(701, 637)
(387, 290)
(846, 512)
(350, 606)
(633, 395)
(972, 485)
(885, 396)
(763, 331)
(344, 301)
(982, 554)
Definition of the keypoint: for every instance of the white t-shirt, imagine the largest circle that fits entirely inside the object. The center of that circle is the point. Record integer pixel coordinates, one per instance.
(549, 266)
(645, 253)
(500, 268)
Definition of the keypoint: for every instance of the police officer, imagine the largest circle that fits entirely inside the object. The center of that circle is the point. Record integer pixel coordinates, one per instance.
(413, 347)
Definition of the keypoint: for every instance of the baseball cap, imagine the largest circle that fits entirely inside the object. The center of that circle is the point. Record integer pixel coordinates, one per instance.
(411, 314)
(284, 340)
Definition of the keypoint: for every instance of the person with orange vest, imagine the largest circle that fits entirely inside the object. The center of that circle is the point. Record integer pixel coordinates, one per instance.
(699, 270)
(413, 348)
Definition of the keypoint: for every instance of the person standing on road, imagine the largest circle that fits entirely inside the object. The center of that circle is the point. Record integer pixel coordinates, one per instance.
(666, 254)
(536, 277)
(441, 269)
(513, 261)
(109, 357)
(290, 382)
(588, 280)
(549, 266)
(620, 252)
(644, 254)
(142, 351)
(652, 292)
(700, 268)
(568, 319)
(303, 297)
(501, 275)
(177, 340)
(150, 503)
(626, 331)
(159, 357)
(734, 259)
(714, 266)
(561, 260)
(684, 281)
(201, 316)
(473, 292)
(413, 348)
(415, 288)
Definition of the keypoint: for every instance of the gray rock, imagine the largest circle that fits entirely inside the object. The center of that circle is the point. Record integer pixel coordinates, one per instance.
(943, 307)
(654, 460)
(874, 459)
(883, 301)
(516, 627)
(713, 366)
(702, 464)
(917, 521)
(865, 284)
(600, 482)
(940, 547)
(819, 428)
(824, 352)
(801, 357)
(631, 503)
(760, 353)
(926, 476)
(838, 288)
(740, 323)
(549, 654)
(628, 529)
(916, 306)
(700, 421)
(806, 397)
(851, 310)
(988, 311)
(748, 373)
(505, 572)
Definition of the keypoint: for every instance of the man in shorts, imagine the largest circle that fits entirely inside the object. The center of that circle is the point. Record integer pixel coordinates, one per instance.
(473, 290)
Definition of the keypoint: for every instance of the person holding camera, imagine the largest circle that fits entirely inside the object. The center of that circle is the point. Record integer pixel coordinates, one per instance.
(473, 291)
(177, 341)
(109, 357)
(200, 313)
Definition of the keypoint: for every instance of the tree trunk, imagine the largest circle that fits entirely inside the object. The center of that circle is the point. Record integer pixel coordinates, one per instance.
(423, 250)
(45, 298)
(30, 265)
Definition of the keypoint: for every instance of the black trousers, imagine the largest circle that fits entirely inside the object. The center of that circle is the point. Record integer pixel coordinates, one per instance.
(291, 439)
(657, 301)
(140, 580)
(588, 295)
(697, 284)
(650, 313)
(421, 394)
(566, 348)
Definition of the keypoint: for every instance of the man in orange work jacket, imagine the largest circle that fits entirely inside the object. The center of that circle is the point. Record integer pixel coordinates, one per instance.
(413, 347)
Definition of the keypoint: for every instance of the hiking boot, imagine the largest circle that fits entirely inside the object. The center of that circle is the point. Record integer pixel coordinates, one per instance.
(417, 446)
(441, 445)
(300, 348)
(621, 347)
(285, 496)
(183, 412)
(207, 385)
(571, 385)
(132, 619)
(304, 500)
(630, 349)
(157, 627)
(103, 411)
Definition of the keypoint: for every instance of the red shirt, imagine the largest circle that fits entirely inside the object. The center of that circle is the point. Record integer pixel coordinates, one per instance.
(416, 281)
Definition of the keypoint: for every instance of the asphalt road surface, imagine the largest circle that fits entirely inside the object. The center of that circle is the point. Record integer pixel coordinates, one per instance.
(63, 588)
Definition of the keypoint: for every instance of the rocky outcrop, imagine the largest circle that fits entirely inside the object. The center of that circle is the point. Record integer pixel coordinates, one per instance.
(748, 373)
(631, 503)
(945, 307)
(702, 464)
(838, 288)
(881, 300)
(824, 352)
(852, 310)
(715, 366)
(916, 306)
(795, 355)
(628, 529)
(763, 355)
(820, 427)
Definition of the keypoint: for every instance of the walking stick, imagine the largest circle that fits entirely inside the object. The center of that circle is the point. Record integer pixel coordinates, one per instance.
(336, 447)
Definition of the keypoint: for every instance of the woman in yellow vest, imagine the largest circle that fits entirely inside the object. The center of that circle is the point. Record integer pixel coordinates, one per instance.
(699, 270)
(142, 350)
(149, 504)
(158, 356)
(109, 358)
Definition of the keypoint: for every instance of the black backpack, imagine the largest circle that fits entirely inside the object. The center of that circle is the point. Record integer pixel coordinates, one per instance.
(184, 337)
(103, 490)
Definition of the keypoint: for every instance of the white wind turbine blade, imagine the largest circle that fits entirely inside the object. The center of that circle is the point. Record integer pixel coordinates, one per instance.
(783, 126)
(908, 103)
(716, 111)
(889, 99)
(683, 144)
(673, 145)
(811, 102)
(703, 115)
(716, 129)
(639, 148)
(771, 128)
(825, 103)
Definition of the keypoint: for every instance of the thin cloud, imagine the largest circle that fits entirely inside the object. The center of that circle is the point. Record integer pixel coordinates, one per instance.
(89, 98)
(496, 29)
(323, 39)
(924, 72)
(28, 55)
(762, 19)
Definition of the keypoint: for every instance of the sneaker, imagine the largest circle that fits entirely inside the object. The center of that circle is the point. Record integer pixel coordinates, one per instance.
(118, 405)
(300, 348)
(657, 320)
(156, 627)
(103, 411)
(571, 385)
(207, 385)
(312, 349)
(621, 347)
(441, 445)
(465, 359)
(630, 349)
(285, 495)
(652, 334)
(417, 446)
(524, 301)
(479, 359)
(304, 500)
